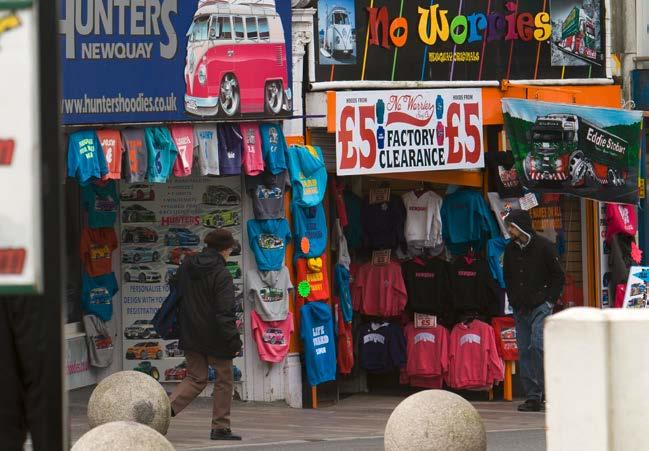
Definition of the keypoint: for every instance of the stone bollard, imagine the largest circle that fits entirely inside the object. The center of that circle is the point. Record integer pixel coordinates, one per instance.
(434, 420)
(122, 436)
(130, 396)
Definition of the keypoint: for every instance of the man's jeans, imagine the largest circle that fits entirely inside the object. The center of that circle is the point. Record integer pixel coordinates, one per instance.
(529, 338)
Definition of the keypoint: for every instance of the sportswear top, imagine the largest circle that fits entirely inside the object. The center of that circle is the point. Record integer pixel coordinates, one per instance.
(317, 333)
(270, 291)
(310, 225)
(162, 153)
(111, 144)
(207, 149)
(268, 241)
(86, 159)
(272, 337)
(183, 136)
(252, 156)
(135, 157)
(273, 146)
(423, 221)
(97, 295)
(495, 254)
(230, 147)
(267, 193)
(381, 347)
(308, 175)
(101, 201)
(96, 248)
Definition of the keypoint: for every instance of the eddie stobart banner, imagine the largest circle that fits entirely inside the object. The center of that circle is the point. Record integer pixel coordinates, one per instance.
(130, 61)
(408, 131)
(459, 39)
(584, 151)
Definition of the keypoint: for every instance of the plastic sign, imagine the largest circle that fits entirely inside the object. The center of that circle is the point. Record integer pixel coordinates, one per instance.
(408, 131)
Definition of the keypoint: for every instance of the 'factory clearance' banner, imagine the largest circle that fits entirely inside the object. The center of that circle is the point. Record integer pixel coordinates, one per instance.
(408, 131)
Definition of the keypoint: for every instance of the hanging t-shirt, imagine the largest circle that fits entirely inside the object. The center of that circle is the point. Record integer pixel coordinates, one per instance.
(101, 201)
(317, 333)
(495, 254)
(99, 340)
(423, 221)
(183, 136)
(267, 193)
(269, 292)
(230, 148)
(272, 337)
(428, 285)
(162, 153)
(354, 229)
(310, 225)
(502, 174)
(502, 208)
(308, 175)
(111, 144)
(621, 219)
(86, 159)
(207, 148)
(342, 279)
(345, 345)
(268, 241)
(314, 271)
(273, 146)
(97, 295)
(96, 248)
(135, 159)
(253, 158)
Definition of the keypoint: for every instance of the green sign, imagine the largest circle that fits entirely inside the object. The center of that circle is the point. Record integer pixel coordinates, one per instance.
(15, 4)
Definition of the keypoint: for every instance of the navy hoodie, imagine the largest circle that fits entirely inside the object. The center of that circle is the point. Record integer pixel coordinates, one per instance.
(382, 347)
(317, 332)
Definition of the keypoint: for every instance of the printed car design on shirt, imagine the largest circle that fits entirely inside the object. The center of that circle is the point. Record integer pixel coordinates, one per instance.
(273, 336)
(221, 196)
(100, 295)
(141, 274)
(178, 254)
(102, 342)
(137, 213)
(138, 192)
(105, 204)
(177, 373)
(141, 328)
(139, 235)
(270, 241)
(271, 294)
(140, 255)
(181, 237)
(144, 351)
(266, 192)
(221, 218)
(147, 368)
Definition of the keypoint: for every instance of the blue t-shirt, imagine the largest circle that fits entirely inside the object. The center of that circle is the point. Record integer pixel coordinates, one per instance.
(267, 239)
(495, 254)
(86, 159)
(310, 223)
(101, 203)
(317, 332)
(342, 278)
(273, 147)
(162, 153)
(97, 295)
(230, 146)
(308, 175)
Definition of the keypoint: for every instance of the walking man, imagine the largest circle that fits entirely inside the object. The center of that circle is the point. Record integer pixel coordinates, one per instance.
(534, 281)
(208, 330)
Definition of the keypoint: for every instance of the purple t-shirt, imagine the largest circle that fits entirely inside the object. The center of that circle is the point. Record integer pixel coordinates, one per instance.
(230, 147)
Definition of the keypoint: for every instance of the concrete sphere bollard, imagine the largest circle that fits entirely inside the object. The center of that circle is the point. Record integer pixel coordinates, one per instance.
(434, 420)
(122, 436)
(130, 396)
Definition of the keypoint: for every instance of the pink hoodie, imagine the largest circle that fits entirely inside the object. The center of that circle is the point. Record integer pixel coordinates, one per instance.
(427, 351)
(473, 357)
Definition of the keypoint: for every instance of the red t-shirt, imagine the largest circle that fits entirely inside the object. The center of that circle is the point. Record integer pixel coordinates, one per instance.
(318, 280)
(111, 144)
(97, 246)
(505, 332)
(183, 136)
(345, 354)
(253, 160)
(272, 337)
(427, 351)
(379, 290)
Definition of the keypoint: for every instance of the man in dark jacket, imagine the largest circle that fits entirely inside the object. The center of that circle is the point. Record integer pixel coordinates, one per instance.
(534, 281)
(208, 330)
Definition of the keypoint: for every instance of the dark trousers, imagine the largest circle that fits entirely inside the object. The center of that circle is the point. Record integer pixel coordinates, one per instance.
(196, 381)
(529, 338)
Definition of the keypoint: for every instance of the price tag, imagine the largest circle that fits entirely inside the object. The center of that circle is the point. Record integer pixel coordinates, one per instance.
(379, 195)
(423, 321)
(381, 257)
(528, 201)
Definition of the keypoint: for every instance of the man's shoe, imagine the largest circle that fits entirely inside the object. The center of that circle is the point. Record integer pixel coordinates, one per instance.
(223, 434)
(531, 405)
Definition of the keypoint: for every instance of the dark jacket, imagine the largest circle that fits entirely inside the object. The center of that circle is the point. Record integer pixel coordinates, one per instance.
(207, 317)
(532, 273)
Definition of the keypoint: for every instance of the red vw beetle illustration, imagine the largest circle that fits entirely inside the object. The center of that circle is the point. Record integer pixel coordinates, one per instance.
(236, 59)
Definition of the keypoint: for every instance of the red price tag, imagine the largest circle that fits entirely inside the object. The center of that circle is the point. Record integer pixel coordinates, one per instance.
(423, 321)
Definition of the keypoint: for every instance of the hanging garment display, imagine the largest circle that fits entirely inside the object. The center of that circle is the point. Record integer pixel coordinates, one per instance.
(502, 174)
(466, 221)
(252, 157)
(135, 160)
(314, 271)
(505, 333)
(162, 153)
(342, 289)
(267, 194)
(427, 351)
(495, 256)
(339, 245)
(273, 145)
(111, 145)
(345, 354)
(379, 290)
(473, 358)
(337, 189)
(474, 290)
(206, 142)
(423, 227)
(381, 347)
(317, 332)
(428, 284)
(308, 175)
(97, 295)
(310, 226)
(230, 149)
(96, 249)
(272, 337)
(383, 224)
(269, 292)
(268, 240)
(99, 341)
(354, 228)
(86, 159)
(101, 202)
(183, 136)
(621, 219)
(501, 209)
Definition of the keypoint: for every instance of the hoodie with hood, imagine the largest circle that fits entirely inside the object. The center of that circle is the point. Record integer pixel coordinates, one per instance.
(308, 175)
(269, 293)
(531, 271)
(207, 315)
(317, 332)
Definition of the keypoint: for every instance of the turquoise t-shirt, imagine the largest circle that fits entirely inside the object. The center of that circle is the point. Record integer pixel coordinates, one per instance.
(308, 175)
(310, 223)
(317, 333)
(97, 295)
(268, 239)
(273, 147)
(101, 203)
(86, 159)
(162, 153)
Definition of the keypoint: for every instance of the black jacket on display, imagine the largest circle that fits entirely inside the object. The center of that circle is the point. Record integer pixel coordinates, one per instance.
(474, 290)
(207, 316)
(532, 273)
(429, 287)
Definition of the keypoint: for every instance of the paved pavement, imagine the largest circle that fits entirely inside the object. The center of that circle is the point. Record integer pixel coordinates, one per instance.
(357, 423)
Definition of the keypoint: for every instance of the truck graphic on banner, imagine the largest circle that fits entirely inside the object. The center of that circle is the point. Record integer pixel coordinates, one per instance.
(578, 35)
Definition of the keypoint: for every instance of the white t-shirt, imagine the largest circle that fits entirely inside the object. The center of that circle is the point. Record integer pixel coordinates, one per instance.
(423, 219)
(269, 292)
(206, 145)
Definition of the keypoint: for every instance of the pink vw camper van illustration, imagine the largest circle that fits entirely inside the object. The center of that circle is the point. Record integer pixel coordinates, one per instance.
(236, 59)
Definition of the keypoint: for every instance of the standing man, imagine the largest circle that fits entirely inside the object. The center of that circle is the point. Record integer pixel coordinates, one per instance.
(534, 281)
(208, 330)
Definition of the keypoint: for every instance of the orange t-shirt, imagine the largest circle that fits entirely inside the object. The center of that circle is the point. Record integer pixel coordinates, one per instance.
(97, 246)
(111, 144)
(318, 280)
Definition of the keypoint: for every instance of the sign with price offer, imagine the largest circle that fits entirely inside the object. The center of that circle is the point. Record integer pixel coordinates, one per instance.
(408, 131)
